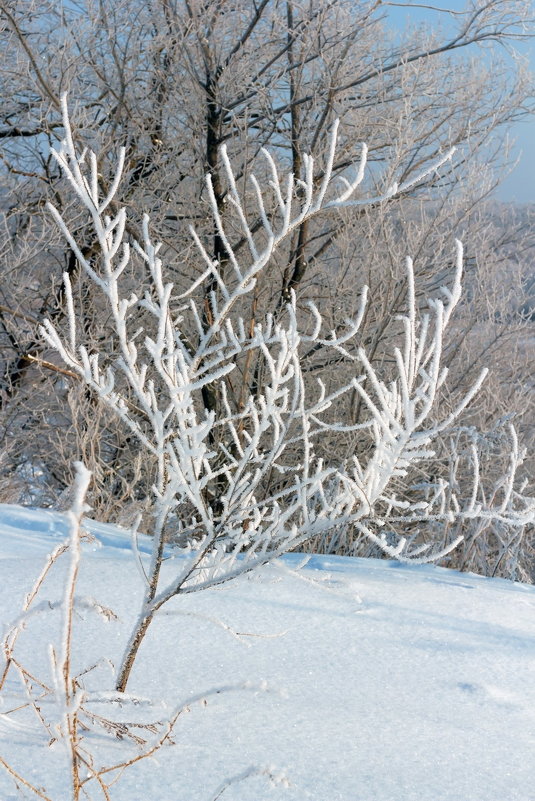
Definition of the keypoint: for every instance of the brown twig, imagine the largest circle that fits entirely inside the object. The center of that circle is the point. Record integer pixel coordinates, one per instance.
(50, 365)
(22, 315)
(22, 780)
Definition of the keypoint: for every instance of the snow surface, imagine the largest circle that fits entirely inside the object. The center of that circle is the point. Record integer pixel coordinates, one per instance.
(383, 682)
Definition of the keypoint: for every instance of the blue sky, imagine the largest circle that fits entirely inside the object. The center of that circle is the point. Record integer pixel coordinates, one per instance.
(519, 186)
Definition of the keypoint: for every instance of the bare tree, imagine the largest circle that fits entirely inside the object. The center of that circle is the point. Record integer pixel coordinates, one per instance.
(173, 81)
(277, 492)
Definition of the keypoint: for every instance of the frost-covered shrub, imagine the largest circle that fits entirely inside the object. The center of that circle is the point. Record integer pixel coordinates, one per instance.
(239, 473)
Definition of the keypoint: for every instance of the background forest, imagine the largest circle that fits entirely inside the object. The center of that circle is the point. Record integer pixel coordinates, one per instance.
(172, 82)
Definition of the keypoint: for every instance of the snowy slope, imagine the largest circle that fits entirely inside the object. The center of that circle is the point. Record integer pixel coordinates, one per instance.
(383, 682)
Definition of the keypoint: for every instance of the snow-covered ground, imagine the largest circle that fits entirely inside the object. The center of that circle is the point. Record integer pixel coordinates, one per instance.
(368, 680)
